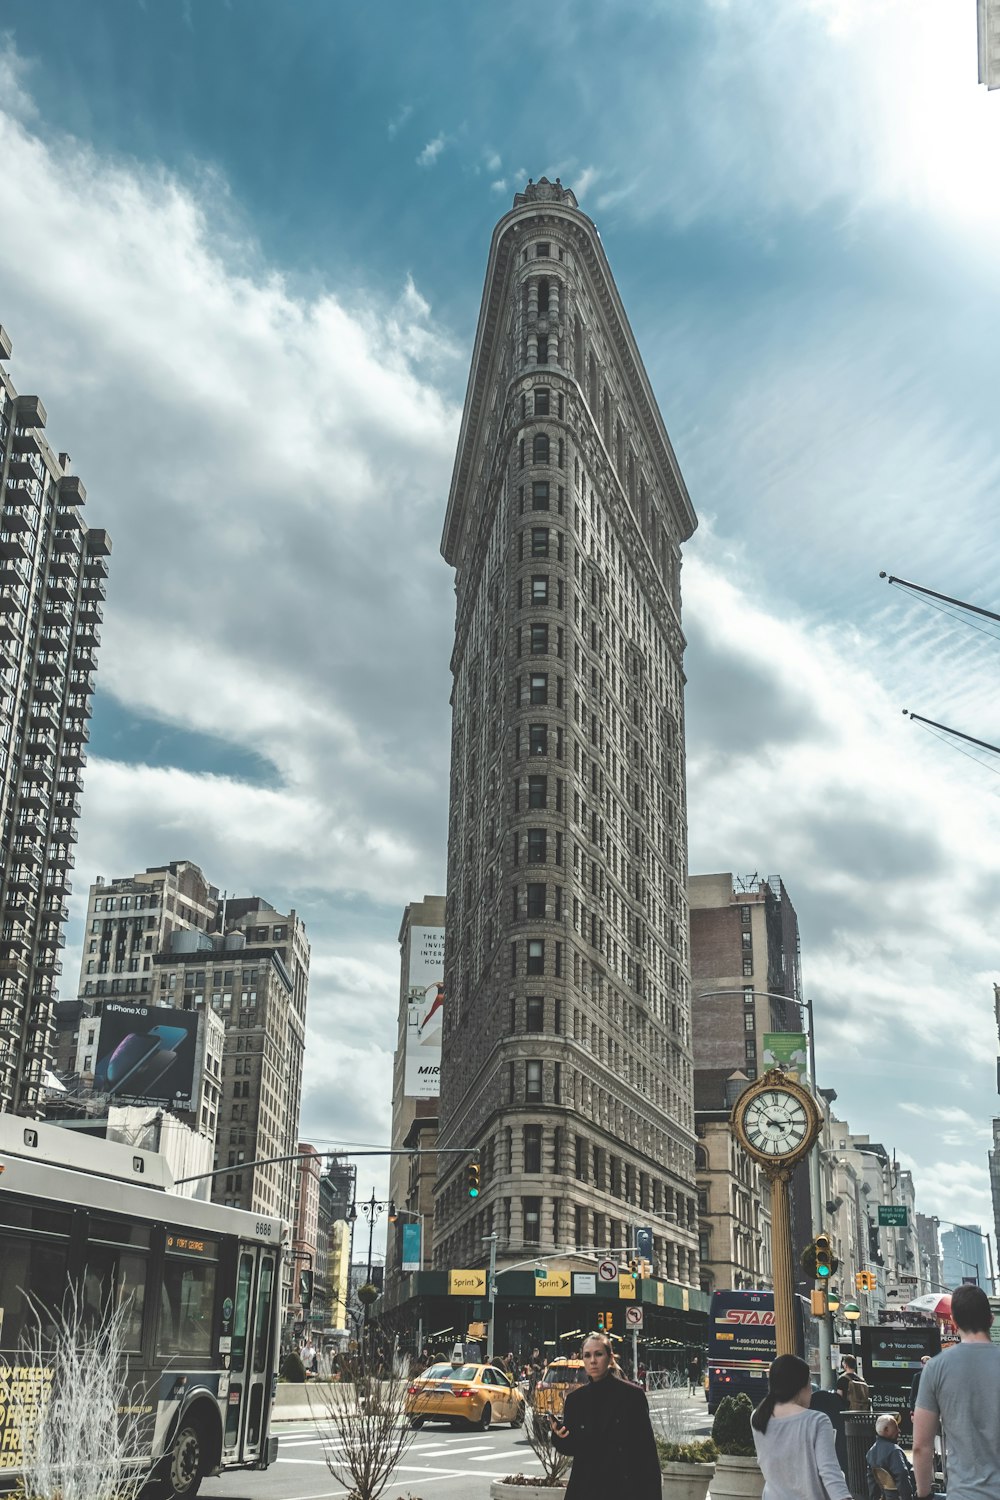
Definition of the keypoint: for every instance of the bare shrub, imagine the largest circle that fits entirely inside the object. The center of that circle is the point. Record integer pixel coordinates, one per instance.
(84, 1433)
(538, 1432)
(368, 1432)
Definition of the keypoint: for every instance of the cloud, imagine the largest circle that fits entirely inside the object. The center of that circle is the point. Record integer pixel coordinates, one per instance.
(398, 121)
(432, 151)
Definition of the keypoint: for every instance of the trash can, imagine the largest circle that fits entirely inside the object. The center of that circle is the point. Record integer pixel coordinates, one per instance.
(859, 1434)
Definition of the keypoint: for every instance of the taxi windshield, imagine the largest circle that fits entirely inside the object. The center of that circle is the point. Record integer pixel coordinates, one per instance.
(564, 1375)
(451, 1372)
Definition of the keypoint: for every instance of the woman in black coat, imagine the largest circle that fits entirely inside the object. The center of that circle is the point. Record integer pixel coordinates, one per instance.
(606, 1427)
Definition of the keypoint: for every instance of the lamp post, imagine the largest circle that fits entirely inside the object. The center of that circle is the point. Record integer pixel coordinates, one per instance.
(852, 1312)
(806, 1006)
(371, 1209)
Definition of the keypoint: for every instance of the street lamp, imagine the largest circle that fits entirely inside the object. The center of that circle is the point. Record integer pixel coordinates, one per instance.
(852, 1312)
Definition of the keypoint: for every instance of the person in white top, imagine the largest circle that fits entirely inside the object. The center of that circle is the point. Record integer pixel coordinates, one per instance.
(795, 1446)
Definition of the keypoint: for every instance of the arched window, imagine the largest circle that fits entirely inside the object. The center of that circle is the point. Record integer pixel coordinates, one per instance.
(540, 448)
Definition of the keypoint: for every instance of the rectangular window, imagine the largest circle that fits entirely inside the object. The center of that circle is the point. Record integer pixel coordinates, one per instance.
(538, 739)
(538, 791)
(745, 915)
(532, 1148)
(534, 1013)
(746, 939)
(540, 494)
(539, 588)
(535, 904)
(536, 956)
(539, 639)
(748, 994)
(538, 689)
(186, 1304)
(541, 401)
(751, 1048)
(747, 967)
(748, 1021)
(533, 1081)
(539, 541)
(537, 842)
(532, 1209)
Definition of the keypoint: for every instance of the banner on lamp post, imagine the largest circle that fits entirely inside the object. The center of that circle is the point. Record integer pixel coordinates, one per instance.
(411, 1247)
(787, 1050)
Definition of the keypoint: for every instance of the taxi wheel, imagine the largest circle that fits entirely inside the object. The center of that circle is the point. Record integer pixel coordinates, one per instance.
(484, 1418)
(518, 1417)
(416, 1423)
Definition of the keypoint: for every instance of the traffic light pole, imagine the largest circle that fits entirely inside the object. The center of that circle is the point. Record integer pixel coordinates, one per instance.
(491, 1288)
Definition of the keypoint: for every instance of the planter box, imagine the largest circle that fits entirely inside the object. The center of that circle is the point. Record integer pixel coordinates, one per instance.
(501, 1491)
(686, 1481)
(736, 1479)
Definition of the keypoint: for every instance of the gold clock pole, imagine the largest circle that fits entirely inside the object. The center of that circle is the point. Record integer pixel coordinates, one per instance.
(781, 1256)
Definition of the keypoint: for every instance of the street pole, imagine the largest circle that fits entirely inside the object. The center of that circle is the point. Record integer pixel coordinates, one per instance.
(491, 1289)
(635, 1355)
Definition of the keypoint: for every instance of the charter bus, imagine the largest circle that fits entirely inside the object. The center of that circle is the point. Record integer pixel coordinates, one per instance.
(200, 1284)
(742, 1343)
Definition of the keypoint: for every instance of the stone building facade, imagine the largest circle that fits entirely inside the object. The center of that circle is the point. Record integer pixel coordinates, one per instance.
(53, 572)
(567, 1037)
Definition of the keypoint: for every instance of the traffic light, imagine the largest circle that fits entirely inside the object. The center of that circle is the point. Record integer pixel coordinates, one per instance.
(865, 1281)
(817, 1303)
(472, 1179)
(609, 1321)
(633, 1267)
(393, 1215)
(825, 1261)
(600, 1322)
(305, 1290)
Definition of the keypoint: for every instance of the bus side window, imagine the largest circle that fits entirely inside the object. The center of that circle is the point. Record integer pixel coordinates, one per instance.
(262, 1330)
(186, 1307)
(119, 1276)
(30, 1272)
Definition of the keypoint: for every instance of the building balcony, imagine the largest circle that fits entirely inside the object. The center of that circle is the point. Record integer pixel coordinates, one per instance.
(47, 963)
(60, 857)
(91, 613)
(71, 490)
(30, 825)
(14, 946)
(51, 938)
(42, 718)
(54, 910)
(29, 411)
(62, 567)
(11, 626)
(57, 883)
(83, 660)
(14, 519)
(74, 756)
(76, 731)
(98, 543)
(82, 682)
(78, 704)
(41, 742)
(49, 663)
(70, 780)
(22, 467)
(56, 614)
(63, 831)
(27, 443)
(57, 591)
(67, 807)
(88, 634)
(66, 543)
(12, 546)
(26, 851)
(35, 795)
(37, 770)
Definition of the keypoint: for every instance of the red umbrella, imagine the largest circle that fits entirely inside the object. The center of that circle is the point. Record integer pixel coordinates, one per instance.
(935, 1304)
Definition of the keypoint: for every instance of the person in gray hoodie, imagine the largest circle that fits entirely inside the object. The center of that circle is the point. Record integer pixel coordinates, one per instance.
(885, 1453)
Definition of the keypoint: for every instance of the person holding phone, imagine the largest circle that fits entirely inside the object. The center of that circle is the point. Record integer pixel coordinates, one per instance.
(605, 1426)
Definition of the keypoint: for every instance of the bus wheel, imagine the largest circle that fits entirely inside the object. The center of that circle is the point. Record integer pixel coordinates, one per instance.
(186, 1468)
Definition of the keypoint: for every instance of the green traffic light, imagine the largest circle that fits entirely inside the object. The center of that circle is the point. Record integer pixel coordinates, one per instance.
(473, 1192)
(822, 1270)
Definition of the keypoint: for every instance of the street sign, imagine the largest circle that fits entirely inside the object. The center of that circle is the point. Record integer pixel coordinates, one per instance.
(556, 1285)
(584, 1284)
(608, 1270)
(894, 1215)
(633, 1317)
(626, 1287)
(467, 1283)
(540, 1273)
(908, 1280)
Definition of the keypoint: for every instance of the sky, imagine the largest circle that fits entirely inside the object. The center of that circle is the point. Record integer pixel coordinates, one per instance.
(241, 260)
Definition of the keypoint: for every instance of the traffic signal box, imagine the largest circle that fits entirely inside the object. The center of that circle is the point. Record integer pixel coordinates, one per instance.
(865, 1281)
(605, 1322)
(472, 1179)
(824, 1256)
(818, 1304)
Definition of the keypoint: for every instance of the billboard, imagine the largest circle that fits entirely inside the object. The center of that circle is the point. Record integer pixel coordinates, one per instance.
(787, 1050)
(147, 1054)
(424, 1013)
(411, 1247)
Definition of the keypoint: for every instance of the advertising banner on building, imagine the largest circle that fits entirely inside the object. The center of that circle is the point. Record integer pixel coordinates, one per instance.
(787, 1050)
(411, 1247)
(424, 1013)
(147, 1055)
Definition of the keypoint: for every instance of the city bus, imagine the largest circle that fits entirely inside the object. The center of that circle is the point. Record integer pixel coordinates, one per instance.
(200, 1285)
(742, 1343)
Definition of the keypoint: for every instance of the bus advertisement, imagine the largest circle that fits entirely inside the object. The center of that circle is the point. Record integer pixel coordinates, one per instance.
(741, 1345)
(197, 1286)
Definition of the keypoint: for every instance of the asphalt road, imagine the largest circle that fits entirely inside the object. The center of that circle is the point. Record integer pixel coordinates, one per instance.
(439, 1465)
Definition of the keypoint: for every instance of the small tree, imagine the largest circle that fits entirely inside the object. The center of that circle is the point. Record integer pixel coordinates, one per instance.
(731, 1431)
(538, 1431)
(368, 1429)
(80, 1424)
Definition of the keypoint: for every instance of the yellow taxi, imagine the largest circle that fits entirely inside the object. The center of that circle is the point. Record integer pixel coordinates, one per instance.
(469, 1395)
(560, 1377)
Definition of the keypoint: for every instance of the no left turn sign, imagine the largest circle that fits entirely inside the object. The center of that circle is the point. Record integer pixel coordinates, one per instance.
(608, 1270)
(633, 1317)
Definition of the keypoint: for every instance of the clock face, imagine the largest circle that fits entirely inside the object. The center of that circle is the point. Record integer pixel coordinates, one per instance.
(775, 1123)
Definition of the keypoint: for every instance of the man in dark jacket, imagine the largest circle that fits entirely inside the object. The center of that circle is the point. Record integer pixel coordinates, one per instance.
(885, 1453)
(606, 1427)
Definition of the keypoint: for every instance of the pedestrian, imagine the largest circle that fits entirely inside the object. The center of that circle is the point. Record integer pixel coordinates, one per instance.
(887, 1456)
(605, 1426)
(795, 1446)
(537, 1364)
(307, 1354)
(915, 1384)
(694, 1374)
(640, 1376)
(834, 1403)
(960, 1392)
